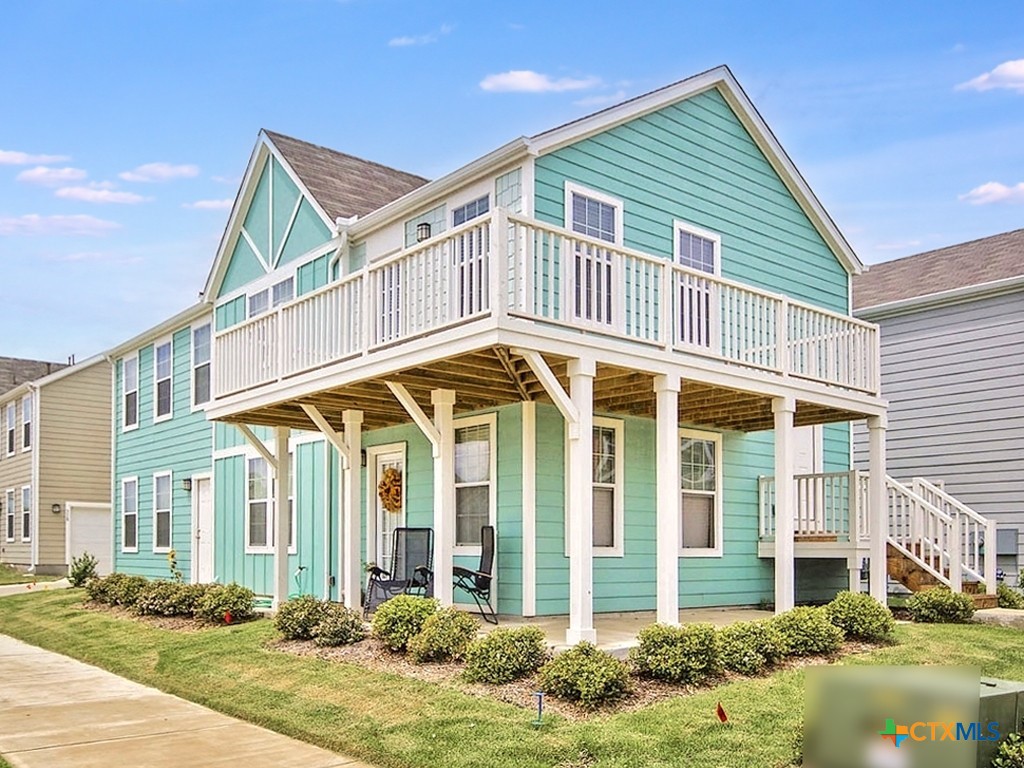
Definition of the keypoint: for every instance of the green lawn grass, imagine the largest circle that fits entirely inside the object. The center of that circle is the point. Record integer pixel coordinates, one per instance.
(392, 721)
(10, 575)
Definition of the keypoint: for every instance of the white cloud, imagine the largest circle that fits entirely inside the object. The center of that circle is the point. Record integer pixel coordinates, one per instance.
(600, 101)
(432, 37)
(51, 177)
(995, 192)
(227, 179)
(211, 205)
(528, 81)
(34, 224)
(958, 48)
(160, 172)
(898, 245)
(99, 194)
(99, 257)
(9, 157)
(1009, 75)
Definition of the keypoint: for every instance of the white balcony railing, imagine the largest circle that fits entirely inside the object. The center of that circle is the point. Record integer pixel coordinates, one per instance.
(829, 505)
(505, 264)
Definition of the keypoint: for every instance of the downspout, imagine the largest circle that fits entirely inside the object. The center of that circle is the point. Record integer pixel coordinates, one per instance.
(113, 462)
(35, 392)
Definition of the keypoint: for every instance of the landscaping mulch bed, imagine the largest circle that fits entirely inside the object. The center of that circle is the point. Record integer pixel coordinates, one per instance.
(373, 654)
(173, 623)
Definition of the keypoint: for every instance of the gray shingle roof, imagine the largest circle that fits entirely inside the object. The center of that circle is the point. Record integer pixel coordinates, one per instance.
(15, 371)
(344, 185)
(956, 266)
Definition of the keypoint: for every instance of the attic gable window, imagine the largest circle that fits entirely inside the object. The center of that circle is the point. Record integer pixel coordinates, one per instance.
(471, 210)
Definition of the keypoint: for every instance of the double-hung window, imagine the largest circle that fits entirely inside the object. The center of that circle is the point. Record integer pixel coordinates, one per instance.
(700, 458)
(201, 364)
(698, 250)
(10, 515)
(130, 514)
(608, 480)
(475, 496)
(130, 392)
(162, 512)
(26, 422)
(471, 210)
(164, 364)
(596, 216)
(12, 414)
(258, 504)
(26, 513)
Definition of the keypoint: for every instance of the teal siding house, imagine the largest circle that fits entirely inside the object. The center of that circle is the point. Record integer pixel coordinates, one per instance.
(626, 343)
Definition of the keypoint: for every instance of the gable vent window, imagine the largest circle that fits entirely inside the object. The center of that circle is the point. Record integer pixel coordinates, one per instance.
(471, 210)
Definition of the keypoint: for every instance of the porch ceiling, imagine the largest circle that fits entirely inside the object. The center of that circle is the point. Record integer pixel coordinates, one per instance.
(493, 376)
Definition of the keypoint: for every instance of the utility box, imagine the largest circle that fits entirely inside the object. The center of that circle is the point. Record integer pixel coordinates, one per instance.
(1002, 701)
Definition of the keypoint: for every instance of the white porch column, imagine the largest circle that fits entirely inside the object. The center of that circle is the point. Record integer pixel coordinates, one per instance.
(853, 566)
(668, 495)
(351, 486)
(443, 401)
(878, 508)
(281, 516)
(784, 409)
(579, 507)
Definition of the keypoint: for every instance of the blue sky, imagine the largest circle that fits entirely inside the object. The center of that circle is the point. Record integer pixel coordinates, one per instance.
(125, 127)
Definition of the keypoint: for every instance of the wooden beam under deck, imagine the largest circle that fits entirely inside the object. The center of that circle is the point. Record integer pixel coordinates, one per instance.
(494, 377)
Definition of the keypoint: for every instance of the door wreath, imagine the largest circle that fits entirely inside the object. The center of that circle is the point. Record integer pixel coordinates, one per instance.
(389, 489)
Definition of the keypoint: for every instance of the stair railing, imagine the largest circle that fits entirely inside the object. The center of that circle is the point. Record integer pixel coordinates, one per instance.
(976, 534)
(925, 534)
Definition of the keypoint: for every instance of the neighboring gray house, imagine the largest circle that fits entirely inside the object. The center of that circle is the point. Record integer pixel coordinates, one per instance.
(952, 348)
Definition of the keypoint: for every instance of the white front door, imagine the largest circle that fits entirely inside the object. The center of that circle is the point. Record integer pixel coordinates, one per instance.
(386, 521)
(202, 546)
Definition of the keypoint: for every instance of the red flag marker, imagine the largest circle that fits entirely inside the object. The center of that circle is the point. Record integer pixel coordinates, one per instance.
(721, 713)
(227, 619)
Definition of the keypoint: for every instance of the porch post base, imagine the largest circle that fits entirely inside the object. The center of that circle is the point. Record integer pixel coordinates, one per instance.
(574, 636)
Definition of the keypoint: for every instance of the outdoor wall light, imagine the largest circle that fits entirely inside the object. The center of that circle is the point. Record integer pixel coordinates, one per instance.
(362, 457)
(56, 509)
(186, 485)
(422, 231)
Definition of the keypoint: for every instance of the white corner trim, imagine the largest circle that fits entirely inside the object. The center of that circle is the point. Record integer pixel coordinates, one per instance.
(529, 470)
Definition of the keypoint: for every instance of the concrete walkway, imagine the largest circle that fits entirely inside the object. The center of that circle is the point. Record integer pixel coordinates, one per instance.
(56, 712)
(39, 586)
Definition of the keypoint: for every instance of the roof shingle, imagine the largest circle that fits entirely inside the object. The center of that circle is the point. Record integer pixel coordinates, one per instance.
(344, 185)
(15, 371)
(945, 269)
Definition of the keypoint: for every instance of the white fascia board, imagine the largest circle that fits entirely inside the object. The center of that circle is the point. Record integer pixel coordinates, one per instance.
(941, 298)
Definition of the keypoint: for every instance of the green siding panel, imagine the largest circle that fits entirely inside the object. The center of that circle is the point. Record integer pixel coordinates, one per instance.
(284, 197)
(243, 268)
(230, 313)
(312, 275)
(308, 232)
(257, 217)
(694, 161)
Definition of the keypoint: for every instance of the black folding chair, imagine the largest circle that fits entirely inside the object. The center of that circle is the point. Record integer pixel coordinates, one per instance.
(478, 583)
(412, 558)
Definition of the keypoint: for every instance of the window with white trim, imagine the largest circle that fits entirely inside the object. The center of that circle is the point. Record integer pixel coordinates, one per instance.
(163, 362)
(12, 414)
(26, 422)
(474, 478)
(201, 342)
(10, 514)
(162, 512)
(597, 216)
(697, 248)
(130, 392)
(700, 463)
(697, 300)
(594, 214)
(608, 481)
(471, 210)
(26, 513)
(130, 514)
(257, 506)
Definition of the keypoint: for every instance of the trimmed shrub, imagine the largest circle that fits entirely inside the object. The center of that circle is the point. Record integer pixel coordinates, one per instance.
(585, 674)
(940, 606)
(505, 654)
(226, 604)
(750, 646)
(82, 569)
(185, 599)
(124, 589)
(861, 616)
(445, 636)
(296, 619)
(97, 589)
(401, 618)
(1010, 753)
(159, 598)
(1009, 597)
(808, 632)
(339, 625)
(686, 654)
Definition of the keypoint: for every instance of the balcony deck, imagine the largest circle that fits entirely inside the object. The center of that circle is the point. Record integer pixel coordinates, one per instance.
(453, 309)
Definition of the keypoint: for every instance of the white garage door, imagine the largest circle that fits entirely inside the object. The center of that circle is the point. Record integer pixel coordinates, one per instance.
(89, 531)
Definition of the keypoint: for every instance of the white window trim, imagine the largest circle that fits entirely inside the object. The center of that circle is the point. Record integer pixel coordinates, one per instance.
(492, 513)
(250, 453)
(619, 509)
(192, 365)
(25, 539)
(11, 425)
(283, 272)
(167, 340)
(170, 514)
(124, 482)
(490, 208)
(269, 548)
(718, 549)
(125, 392)
(571, 188)
(9, 497)
(29, 423)
(683, 226)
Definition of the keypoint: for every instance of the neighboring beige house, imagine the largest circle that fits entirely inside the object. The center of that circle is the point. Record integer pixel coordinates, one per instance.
(55, 468)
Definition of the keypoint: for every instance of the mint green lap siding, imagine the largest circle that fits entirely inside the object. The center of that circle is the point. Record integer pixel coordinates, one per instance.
(257, 217)
(180, 445)
(306, 233)
(552, 592)
(694, 161)
(818, 581)
(243, 267)
(312, 275)
(282, 205)
(230, 313)
(836, 438)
